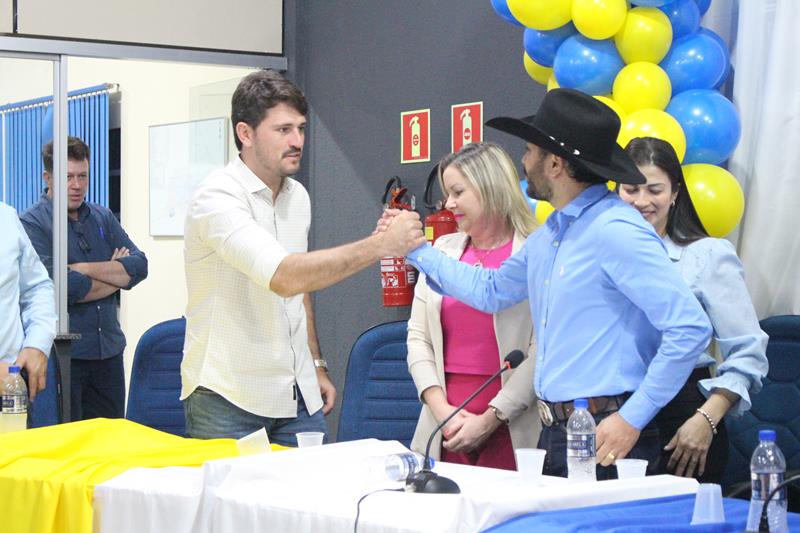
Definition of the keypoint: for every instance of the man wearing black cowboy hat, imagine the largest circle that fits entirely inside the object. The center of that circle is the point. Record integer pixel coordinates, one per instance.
(614, 321)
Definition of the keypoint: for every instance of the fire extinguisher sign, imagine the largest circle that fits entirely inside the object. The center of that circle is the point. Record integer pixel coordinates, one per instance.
(467, 124)
(415, 136)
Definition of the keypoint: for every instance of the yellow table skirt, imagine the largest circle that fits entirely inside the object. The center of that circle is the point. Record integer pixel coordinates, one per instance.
(48, 475)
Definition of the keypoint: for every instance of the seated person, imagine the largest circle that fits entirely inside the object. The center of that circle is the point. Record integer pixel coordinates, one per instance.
(693, 436)
(452, 347)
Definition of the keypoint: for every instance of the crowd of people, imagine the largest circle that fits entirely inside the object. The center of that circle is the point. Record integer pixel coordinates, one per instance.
(620, 297)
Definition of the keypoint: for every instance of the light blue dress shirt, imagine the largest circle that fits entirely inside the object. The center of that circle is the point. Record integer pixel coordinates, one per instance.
(715, 275)
(611, 313)
(27, 304)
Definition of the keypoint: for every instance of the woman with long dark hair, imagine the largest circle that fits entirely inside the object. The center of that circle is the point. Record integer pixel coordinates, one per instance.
(693, 435)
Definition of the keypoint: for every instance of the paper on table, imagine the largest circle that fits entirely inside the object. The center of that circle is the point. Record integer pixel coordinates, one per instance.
(256, 442)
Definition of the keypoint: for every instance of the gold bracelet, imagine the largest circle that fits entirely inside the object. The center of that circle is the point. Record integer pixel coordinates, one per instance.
(708, 419)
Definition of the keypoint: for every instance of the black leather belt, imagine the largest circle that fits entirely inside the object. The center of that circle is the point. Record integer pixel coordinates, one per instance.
(557, 412)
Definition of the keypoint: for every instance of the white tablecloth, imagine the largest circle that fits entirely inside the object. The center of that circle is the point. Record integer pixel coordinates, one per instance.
(316, 489)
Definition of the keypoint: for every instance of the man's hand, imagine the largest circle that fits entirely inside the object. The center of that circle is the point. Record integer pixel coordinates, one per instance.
(327, 390)
(403, 233)
(119, 253)
(386, 217)
(4, 371)
(35, 364)
(615, 438)
(472, 432)
(691, 443)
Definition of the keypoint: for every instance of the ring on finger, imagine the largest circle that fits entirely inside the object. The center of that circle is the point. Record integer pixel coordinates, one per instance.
(612, 456)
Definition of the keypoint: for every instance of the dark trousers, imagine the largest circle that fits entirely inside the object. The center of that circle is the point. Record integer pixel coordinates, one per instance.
(678, 411)
(554, 440)
(98, 388)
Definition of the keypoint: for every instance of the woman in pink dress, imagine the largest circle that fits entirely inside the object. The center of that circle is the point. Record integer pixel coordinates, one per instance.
(453, 348)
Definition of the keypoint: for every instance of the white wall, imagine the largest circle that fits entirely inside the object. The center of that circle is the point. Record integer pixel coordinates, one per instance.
(152, 93)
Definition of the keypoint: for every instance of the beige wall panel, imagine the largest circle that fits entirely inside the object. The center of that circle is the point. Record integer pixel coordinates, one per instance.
(244, 25)
(6, 14)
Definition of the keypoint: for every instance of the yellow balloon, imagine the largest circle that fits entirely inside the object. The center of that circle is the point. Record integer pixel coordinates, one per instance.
(599, 19)
(642, 85)
(552, 83)
(646, 35)
(536, 71)
(543, 210)
(653, 123)
(615, 107)
(717, 197)
(541, 14)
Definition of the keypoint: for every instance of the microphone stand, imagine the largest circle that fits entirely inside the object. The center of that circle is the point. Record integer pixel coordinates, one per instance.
(763, 526)
(428, 481)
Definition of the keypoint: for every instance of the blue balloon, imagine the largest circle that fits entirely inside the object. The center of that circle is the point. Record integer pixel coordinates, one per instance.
(501, 8)
(684, 16)
(703, 5)
(587, 65)
(541, 46)
(650, 3)
(523, 185)
(697, 61)
(710, 122)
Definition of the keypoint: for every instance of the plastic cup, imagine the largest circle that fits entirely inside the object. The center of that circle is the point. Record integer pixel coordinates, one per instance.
(708, 505)
(530, 462)
(307, 439)
(629, 468)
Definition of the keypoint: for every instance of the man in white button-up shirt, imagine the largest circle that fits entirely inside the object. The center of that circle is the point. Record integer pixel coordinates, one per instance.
(251, 356)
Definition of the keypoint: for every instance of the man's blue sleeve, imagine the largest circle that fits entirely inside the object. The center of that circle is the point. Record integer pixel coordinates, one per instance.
(136, 263)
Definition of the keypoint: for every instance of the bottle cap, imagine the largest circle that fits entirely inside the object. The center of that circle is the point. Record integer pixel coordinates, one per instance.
(14, 369)
(581, 403)
(767, 435)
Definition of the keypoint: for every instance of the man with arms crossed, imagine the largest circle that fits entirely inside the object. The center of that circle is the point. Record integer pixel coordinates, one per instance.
(251, 357)
(614, 322)
(102, 260)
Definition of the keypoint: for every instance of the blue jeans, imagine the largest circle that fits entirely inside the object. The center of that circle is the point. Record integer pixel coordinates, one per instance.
(554, 440)
(210, 416)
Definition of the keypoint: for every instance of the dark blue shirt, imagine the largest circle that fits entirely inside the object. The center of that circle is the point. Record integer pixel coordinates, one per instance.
(91, 238)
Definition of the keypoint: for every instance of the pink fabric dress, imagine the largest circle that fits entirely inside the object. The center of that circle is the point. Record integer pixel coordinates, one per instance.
(470, 357)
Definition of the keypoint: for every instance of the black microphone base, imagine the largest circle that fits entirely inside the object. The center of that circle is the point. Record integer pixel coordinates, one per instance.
(428, 482)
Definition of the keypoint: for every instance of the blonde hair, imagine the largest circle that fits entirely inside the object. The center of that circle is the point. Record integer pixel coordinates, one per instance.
(489, 169)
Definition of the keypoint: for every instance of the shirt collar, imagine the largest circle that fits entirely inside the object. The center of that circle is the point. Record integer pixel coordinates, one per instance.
(673, 250)
(83, 210)
(587, 198)
(253, 183)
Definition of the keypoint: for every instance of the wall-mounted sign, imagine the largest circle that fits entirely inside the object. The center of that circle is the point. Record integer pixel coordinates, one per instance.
(415, 136)
(466, 124)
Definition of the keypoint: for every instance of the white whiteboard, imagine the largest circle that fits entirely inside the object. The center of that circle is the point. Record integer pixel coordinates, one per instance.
(181, 155)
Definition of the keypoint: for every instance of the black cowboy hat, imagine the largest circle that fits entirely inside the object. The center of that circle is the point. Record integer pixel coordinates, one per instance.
(579, 128)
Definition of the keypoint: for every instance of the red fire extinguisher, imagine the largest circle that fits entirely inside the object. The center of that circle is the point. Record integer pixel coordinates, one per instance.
(398, 277)
(441, 221)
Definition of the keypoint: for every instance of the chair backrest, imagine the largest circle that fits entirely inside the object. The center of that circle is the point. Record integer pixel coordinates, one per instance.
(45, 410)
(776, 407)
(153, 398)
(379, 400)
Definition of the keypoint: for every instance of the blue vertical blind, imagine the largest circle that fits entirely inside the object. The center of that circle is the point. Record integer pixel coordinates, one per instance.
(27, 126)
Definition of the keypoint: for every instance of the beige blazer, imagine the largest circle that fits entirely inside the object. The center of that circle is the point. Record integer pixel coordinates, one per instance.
(514, 330)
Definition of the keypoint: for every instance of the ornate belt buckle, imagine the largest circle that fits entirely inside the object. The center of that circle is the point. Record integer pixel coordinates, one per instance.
(545, 415)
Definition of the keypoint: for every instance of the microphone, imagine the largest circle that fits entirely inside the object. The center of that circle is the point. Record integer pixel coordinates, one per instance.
(426, 480)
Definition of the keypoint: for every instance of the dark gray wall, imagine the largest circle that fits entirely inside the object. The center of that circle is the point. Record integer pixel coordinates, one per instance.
(361, 63)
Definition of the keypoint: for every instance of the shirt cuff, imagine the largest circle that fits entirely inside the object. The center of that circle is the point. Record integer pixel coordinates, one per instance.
(132, 265)
(40, 340)
(731, 381)
(78, 286)
(638, 411)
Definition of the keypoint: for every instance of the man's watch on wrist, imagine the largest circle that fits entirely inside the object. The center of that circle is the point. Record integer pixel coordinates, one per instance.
(498, 414)
(321, 363)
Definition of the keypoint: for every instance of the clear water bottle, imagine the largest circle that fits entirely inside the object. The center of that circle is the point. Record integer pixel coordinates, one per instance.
(399, 466)
(767, 468)
(15, 402)
(581, 449)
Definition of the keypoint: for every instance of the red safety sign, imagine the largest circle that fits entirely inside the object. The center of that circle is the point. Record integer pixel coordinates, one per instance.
(415, 136)
(466, 124)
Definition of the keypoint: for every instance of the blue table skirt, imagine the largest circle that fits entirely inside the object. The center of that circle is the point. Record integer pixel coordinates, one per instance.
(661, 514)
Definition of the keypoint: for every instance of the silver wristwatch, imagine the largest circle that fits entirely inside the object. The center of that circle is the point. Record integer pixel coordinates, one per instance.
(321, 363)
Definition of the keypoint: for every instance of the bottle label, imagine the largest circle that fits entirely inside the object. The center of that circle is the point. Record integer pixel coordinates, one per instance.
(410, 461)
(580, 445)
(762, 484)
(14, 404)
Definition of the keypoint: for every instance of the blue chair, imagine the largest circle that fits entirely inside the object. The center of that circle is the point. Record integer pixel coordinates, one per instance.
(775, 407)
(156, 378)
(379, 399)
(45, 410)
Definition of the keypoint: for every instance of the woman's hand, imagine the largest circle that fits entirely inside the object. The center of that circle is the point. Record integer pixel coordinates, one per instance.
(691, 443)
(470, 432)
